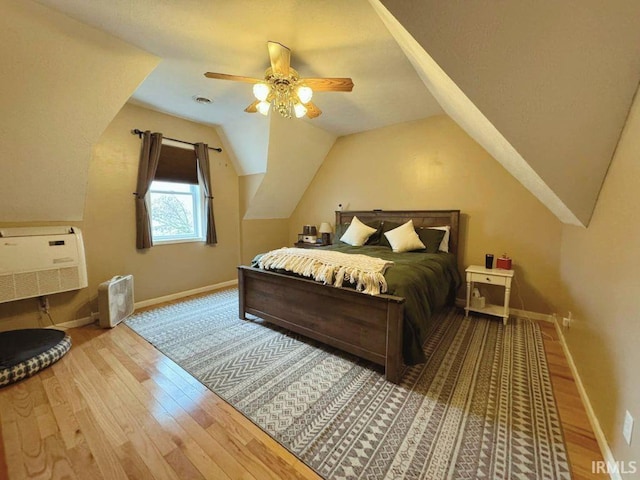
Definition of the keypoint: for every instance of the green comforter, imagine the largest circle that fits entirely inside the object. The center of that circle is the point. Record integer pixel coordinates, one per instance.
(426, 281)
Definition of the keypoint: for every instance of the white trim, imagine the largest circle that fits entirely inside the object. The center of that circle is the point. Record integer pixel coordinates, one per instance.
(516, 312)
(542, 317)
(187, 293)
(79, 322)
(196, 194)
(593, 420)
(158, 243)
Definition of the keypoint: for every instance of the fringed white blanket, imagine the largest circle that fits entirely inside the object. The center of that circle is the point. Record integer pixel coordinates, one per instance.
(333, 268)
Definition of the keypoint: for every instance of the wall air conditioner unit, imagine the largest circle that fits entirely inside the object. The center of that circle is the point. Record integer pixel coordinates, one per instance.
(37, 261)
(115, 300)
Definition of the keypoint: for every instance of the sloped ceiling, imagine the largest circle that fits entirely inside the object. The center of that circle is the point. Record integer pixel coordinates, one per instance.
(62, 83)
(555, 78)
(462, 110)
(247, 142)
(552, 80)
(296, 151)
(329, 38)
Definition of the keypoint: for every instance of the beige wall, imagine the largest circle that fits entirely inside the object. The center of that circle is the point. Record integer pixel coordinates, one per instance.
(109, 225)
(62, 83)
(258, 235)
(432, 164)
(557, 89)
(110, 236)
(599, 266)
(248, 187)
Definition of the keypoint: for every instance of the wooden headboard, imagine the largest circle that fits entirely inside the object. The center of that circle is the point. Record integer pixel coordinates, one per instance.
(421, 218)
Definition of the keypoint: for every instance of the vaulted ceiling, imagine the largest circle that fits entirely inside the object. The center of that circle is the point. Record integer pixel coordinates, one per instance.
(554, 79)
(544, 86)
(328, 39)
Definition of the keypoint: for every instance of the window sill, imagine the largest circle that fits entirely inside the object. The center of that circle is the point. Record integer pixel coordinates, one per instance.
(179, 240)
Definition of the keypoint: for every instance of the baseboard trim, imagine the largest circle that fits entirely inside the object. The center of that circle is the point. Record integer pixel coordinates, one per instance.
(593, 420)
(79, 322)
(461, 302)
(187, 293)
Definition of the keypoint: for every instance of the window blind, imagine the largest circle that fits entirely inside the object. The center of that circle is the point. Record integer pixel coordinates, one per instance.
(177, 165)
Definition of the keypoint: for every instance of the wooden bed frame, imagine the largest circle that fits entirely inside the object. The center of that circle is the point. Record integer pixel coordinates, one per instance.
(367, 326)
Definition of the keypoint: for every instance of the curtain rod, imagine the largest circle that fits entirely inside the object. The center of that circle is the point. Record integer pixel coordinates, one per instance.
(139, 133)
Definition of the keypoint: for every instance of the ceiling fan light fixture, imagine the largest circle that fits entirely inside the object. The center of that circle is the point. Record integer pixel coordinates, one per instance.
(261, 91)
(283, 89)
(304, 94)
(263, 107)
(300, 110)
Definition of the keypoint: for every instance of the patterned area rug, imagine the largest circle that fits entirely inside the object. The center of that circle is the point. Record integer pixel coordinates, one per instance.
(481, 407)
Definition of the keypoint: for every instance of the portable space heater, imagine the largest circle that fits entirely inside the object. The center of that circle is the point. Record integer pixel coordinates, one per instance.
(115, 300)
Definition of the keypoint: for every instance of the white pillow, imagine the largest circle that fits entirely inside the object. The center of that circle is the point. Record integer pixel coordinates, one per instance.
(404, 238)
(357, 233)
(444, 244)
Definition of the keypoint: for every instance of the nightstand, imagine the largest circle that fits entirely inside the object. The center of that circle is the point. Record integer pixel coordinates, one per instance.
(308, 245)
(489, 276)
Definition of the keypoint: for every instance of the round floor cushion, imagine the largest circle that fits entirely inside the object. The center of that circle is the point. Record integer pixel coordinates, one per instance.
(25, 352)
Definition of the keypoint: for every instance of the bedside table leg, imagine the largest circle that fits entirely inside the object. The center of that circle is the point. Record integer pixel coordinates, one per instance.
(466, 308)
(507, 294)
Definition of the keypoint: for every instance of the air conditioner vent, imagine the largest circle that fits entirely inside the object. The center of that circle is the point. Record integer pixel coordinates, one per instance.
(36, 261)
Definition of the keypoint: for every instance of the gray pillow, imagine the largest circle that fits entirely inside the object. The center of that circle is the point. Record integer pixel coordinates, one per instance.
(431, 238)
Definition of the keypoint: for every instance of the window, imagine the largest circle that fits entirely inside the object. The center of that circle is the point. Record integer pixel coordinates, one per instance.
(176, 212)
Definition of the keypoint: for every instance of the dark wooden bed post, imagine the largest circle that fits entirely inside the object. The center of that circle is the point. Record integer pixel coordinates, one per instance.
(242, 313)
(393, 368)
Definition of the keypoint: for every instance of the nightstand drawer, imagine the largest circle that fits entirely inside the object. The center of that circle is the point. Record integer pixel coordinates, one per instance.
(491, 279)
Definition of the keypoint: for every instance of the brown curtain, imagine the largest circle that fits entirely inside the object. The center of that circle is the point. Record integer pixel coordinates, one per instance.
(149, 156)
(204, 175)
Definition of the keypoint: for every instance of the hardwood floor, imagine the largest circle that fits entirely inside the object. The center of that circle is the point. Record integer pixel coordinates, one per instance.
(114, 407)
(582, 446)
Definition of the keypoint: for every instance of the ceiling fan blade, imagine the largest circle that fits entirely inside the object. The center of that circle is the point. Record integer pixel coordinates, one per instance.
(280, 57)
(253, 107)
(237, 78)
(329, 84)
(312, 110)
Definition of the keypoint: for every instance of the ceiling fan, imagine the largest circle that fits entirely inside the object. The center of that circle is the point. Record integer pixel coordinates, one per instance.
(283, 88)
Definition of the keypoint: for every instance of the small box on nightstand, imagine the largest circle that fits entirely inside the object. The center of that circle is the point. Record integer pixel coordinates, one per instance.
(504, 263)
(478, 302)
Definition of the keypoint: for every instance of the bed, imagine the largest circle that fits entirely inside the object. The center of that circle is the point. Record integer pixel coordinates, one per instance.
(373, 327)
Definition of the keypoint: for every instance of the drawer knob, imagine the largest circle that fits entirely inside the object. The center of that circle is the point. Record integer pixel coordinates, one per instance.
(488, 279)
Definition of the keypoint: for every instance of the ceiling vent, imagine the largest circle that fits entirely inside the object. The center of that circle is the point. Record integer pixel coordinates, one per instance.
(202, 100)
